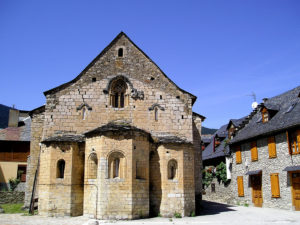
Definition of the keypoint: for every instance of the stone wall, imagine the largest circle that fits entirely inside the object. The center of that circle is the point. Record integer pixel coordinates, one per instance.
(197, 161)
(218, 192)
(37, 122)
(62, 115)
(268, 166)
(11, 197)
(61, 196)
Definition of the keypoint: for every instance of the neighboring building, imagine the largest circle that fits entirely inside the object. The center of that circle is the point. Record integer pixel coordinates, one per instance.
(266, 159)
(119, 141)
(218, 151)
(14, 147)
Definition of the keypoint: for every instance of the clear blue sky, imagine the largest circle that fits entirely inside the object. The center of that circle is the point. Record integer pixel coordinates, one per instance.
(220, 51)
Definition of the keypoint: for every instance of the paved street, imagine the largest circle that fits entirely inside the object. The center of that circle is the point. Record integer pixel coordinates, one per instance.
(212, 213)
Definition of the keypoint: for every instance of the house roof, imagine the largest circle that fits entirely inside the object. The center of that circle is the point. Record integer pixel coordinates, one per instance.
(210, 151)
(236, 122)
(54, 90)
(65, 138)
(200, 116)
(21, 133)
(287, 116)
(4, 115)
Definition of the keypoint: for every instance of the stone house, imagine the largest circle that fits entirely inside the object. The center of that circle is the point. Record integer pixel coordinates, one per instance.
(266, 160)
(14, 146)
(218, 151)
(119, 141)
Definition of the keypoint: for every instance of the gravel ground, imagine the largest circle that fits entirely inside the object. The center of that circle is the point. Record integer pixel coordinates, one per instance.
(212, 213)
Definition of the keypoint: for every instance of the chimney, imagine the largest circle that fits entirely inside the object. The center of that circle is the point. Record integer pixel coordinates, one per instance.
(13, 119)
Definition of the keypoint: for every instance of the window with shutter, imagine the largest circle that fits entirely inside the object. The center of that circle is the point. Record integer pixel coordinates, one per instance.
(293, 138)
(240, 184)
(238, 155)
(272, 147)
(254, 154)
(275, 185)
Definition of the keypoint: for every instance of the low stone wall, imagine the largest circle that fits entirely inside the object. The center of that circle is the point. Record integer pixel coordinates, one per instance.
(11, 197)
(218, 192)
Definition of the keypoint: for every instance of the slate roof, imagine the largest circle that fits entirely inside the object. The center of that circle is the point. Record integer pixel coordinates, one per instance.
(287, 116)
(4, 115)
(53, 90)
(117, 126)
(65, 138)
(220, 150)
(21, 133)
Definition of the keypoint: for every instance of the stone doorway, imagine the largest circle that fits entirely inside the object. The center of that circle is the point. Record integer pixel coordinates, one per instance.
(256, 183)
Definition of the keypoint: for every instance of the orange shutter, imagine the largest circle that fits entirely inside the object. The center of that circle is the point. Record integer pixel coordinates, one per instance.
(288, 142)
(254, 155)
(298, 141)
(240, 185)
(275, 185)
(238, 155)
(272, 147)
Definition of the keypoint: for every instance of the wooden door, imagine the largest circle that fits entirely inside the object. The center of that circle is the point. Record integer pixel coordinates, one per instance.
(257, 198)
(296, 190)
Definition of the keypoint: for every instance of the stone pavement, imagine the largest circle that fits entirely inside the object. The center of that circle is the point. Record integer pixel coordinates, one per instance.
(212, 213)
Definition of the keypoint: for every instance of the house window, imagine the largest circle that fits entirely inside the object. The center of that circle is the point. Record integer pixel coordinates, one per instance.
(172, 169)
(120, 52)
(240, 186)
(60, 171)
(272, 147)
(254, 153)
(92, 166)
(294, 141)
(265, 115)
(238, 155)
(275, 185)
(118, 94)
(116, 165)
(21, 173)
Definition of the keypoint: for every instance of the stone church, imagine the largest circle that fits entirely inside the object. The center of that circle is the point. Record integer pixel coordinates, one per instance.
(120, 141)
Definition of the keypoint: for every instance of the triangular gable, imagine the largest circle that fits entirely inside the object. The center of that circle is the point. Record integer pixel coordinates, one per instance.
(65, 85)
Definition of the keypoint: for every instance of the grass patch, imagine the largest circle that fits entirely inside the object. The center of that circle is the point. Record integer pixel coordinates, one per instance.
(12, 208)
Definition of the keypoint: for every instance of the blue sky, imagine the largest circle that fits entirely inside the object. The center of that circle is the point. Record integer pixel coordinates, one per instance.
(221, 51)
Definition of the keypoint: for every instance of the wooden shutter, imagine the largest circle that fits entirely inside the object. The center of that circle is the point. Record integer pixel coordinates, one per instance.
(238, 155)
(254, 154)
(288, 142)
(272, 147)
(240, 184)
(275, 185)
(298, 141)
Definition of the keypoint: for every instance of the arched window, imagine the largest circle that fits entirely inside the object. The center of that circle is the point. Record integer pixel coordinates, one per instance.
(116, 165)
(172, 169)
(116, 169)
(120, 52)
(156, 114)
(60, 170)
(92, 166)
(118, 94)
(83, 113)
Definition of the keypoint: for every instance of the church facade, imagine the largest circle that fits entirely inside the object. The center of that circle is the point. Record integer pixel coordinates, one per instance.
(120, 141)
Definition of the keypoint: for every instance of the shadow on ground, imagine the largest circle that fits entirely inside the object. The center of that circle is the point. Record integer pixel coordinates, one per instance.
(211, 208)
